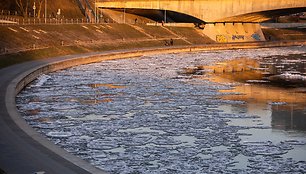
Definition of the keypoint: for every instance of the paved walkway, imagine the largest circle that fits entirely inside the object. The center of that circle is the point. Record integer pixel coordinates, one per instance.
(19, 152)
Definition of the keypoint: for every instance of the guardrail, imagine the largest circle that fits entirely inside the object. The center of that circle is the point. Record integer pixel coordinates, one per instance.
(9, 20)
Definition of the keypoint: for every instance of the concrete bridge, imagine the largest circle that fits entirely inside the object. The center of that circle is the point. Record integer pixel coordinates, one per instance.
(214, 10)
(234, 15)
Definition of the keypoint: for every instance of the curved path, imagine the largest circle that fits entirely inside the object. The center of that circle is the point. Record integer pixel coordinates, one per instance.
(19, 152)
(22, 149)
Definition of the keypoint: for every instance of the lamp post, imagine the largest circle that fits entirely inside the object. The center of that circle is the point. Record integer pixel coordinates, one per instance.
(34, 8)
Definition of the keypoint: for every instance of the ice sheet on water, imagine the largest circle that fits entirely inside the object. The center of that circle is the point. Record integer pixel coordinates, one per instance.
(41, 80)
(59, 134)
(165, 140)
(267, 164)
(277, 103)
(295, 142)
(103, 144)
(158, 123)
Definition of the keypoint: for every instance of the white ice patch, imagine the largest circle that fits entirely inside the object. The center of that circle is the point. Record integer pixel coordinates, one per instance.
(41, 80)
(59, 134)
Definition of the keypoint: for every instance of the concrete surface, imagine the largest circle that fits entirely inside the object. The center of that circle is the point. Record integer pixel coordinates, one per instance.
(283, 25)
(234, 32)
(210, 10)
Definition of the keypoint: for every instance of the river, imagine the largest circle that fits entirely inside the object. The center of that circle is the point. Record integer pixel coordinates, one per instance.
(145, 115)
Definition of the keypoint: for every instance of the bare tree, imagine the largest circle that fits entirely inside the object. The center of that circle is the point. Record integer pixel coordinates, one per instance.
(40, 3)
(23, 7)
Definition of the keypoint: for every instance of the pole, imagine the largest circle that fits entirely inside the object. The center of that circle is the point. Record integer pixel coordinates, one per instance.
(95, 11)
(124, 15)
(45, 11)
(34, 8)
(165, 16)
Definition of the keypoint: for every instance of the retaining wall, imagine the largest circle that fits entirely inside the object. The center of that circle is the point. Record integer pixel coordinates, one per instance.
(234, 32)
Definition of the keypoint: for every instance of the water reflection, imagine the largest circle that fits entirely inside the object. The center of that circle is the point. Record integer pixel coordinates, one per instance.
(288, 118)
(286, 70)
(103, 93)
(286, 100)
(107, 85)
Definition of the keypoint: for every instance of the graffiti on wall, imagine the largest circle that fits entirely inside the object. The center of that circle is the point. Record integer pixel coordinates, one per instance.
(221, 38)
(256, 36)
(237, 37)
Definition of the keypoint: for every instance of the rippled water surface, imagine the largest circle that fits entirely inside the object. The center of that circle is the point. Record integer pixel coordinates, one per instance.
(142, 115)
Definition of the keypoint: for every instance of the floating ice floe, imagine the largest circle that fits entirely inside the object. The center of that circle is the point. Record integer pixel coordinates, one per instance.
(278, 103)
(103, 144)
(59, 134)
(41, 80)
(295, 142)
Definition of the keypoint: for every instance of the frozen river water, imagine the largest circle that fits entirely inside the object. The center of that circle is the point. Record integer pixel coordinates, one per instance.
(141, 115)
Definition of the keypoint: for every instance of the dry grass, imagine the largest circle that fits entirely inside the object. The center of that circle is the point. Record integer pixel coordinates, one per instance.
(284, 34)
(69, 8)
(21, 38)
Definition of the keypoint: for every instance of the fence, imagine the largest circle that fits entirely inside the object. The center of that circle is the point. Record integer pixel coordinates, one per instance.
(15, 20)
(8, 13)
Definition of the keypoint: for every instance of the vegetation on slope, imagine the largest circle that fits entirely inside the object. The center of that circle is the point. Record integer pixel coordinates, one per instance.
(69, 8)
(20, 43)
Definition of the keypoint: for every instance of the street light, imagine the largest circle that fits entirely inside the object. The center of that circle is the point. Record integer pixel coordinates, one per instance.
(34, 8)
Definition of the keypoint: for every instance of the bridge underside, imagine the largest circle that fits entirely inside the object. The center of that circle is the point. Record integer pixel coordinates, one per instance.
(159, 15)
(263, 15)
(172, 16)
(225, 20)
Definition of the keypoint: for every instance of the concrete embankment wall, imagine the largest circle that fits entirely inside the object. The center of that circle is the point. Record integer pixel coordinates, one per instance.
(234, 32)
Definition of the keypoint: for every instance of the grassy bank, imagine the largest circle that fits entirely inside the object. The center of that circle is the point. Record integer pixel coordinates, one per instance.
(14, 58)
(285, 34)
(20, 43)
(31, 42)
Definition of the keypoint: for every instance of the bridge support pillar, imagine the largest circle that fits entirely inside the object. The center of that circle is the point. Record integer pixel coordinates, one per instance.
(234, 32)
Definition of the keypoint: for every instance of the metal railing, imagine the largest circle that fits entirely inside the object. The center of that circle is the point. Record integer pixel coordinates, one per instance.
(10, 20)
(7, 20)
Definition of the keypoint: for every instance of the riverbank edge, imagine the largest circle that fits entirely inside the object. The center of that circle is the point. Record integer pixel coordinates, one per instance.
(59, 63)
